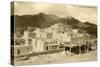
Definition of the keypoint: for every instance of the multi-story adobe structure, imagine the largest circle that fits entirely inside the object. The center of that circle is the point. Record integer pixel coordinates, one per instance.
(51, 38)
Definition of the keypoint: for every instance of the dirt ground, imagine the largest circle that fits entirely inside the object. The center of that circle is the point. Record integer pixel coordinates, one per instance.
(59, 58)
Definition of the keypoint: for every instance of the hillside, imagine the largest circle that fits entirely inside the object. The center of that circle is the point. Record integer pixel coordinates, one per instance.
(42, 20)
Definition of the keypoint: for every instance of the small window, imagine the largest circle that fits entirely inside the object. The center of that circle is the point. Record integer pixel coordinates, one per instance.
(46, 48)
(18, 51)
(29, 41)
(19, 41)
(49, 35)
(28, 48)
(33, 35)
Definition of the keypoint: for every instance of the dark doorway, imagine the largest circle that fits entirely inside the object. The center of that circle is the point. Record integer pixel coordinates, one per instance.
(67, 48)
(75, 50)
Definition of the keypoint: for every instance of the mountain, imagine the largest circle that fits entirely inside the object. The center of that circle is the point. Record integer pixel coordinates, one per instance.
(91, 29)
(42, 20)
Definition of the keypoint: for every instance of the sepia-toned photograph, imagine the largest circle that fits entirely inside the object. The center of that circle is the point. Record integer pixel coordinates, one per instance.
(52, 33)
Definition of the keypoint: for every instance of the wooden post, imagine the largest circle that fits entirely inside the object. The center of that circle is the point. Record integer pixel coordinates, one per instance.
(87, 48)
(70, 50)
(57, 47)
(79, 49)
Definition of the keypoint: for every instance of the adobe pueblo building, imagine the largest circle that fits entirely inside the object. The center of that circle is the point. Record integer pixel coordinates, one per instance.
(53, 39)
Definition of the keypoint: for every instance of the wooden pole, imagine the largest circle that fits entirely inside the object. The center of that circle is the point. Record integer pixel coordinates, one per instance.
(79, 49)
(87, 47)
(70, 50)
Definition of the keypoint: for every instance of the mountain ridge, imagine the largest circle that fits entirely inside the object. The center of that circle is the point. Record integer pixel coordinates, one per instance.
(42, 20)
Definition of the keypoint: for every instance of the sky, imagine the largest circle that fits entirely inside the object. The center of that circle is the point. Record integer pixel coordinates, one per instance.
(83, 13)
